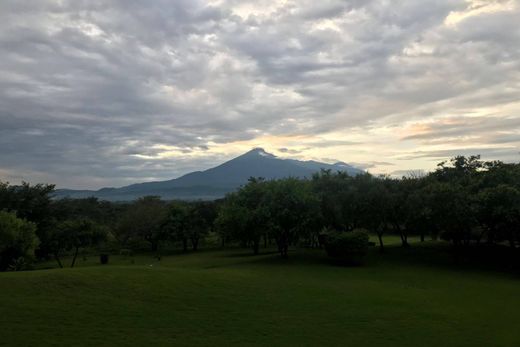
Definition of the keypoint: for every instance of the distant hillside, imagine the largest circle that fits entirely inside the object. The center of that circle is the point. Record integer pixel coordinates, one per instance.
(215, 182)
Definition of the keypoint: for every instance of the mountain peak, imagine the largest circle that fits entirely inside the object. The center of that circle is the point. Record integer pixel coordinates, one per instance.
(215, 182)
(260, 151)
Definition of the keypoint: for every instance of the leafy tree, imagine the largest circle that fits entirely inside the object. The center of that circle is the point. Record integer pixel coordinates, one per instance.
(32, 203)
(335, 192)
(201, 215)
(73, 235)
(452, 212)
(460, 169)
(176, 224)
(144, 220)
(419, 213)
(244, 215)
(101, 212)
(292, 209)
(17, 239)
(499, 213)
(372, 198)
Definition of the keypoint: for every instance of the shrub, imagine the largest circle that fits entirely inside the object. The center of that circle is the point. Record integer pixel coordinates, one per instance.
(19, 264)
(347, 247)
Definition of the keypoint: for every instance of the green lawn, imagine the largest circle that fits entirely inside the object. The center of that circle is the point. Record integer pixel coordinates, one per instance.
(229, 298)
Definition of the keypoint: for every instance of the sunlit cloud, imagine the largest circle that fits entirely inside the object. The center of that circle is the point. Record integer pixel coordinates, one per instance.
(480, 7)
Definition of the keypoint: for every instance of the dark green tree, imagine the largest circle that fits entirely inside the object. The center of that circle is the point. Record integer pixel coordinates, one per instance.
(73, 235)
(17, 239)
(143, 220)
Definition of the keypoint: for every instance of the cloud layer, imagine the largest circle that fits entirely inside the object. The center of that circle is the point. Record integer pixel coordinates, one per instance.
(97, 93)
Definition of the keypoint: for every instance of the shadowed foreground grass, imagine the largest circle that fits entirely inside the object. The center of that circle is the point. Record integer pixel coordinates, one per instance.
(223, 298)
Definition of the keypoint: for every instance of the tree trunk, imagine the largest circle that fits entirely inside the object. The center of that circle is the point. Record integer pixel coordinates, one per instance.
(422, 236)
(195, 243)
(265, 240)
(185, 244)
(404, 240)
(381, 245)
(406, 244)
(256, 246)
(58, 260)
(155, 245)
(283, 245)
(403, 235)
(75, 256)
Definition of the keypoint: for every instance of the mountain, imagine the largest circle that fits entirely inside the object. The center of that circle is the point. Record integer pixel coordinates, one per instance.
(215, 182)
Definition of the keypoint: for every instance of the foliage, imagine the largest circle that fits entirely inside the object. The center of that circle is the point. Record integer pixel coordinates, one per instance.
(176, 225)
(17, 241)
(200, 219)
(32, 203)
(143, 220)
(244, 216)
(465, 201)
(293, 211)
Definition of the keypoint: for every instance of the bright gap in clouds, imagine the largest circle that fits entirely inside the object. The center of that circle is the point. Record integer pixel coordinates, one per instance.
(99, 94)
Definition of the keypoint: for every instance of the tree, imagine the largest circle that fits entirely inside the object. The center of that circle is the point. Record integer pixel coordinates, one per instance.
(244, 216)
(499, 213)
(101, 212)
(335, 194)
(419, 213)
(31, 203)
(144, 220)
(452, 212)
(73, 235)
(460, 169)
(292, 210)
(17, 239)
(176, 223)
(372, 196)
(201, 215)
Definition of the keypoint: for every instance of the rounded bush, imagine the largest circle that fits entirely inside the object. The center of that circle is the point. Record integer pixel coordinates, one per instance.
(347, 247)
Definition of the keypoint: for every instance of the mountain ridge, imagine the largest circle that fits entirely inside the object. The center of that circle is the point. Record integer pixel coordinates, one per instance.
(214, 182)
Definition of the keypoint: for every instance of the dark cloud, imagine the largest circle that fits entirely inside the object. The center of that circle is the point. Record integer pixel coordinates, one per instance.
(107, 93)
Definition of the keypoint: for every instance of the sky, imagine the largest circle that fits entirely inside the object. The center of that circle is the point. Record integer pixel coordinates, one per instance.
(108, 93)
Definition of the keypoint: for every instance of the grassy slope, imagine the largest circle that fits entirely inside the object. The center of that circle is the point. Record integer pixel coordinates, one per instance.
(229, 298)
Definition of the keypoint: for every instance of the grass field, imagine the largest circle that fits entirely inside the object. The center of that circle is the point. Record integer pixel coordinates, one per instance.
(229, 298)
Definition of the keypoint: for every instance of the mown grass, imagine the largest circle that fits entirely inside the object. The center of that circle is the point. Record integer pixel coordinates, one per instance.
(225, 298)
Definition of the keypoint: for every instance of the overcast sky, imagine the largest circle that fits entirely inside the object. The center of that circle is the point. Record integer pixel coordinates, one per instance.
(107, 93)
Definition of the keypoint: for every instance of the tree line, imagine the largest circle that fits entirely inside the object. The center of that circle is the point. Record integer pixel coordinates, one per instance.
(34, 226)
(465, 201)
